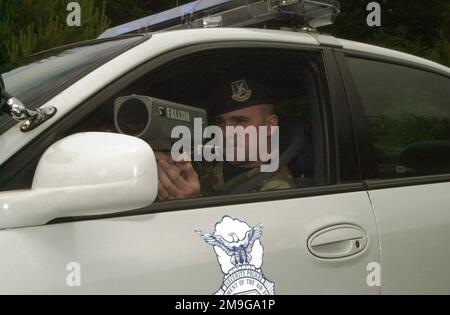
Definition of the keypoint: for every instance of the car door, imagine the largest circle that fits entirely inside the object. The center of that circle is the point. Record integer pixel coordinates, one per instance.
(406, 110)
(314, 239)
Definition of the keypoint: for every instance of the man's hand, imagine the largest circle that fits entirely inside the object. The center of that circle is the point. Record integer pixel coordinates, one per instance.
(176, 181)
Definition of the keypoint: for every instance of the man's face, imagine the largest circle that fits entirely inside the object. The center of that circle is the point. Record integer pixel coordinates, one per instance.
(255, 116)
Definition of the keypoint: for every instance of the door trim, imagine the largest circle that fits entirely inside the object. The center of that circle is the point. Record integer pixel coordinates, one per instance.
(407, 181)
(221, 201)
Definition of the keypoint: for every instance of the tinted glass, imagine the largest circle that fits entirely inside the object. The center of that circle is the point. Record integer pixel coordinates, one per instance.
(409, 117)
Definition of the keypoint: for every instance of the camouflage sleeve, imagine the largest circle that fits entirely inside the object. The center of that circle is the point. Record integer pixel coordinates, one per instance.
(210, 178)
(279, 181)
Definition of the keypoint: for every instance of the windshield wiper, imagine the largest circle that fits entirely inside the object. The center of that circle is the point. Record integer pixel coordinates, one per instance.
(19, 112)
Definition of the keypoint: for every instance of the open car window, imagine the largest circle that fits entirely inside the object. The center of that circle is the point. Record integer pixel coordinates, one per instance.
(295, 78)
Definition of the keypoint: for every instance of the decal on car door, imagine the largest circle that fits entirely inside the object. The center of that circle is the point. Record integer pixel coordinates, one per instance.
(240, 252)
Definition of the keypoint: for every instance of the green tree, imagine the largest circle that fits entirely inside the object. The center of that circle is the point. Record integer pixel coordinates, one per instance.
(416, 27)
(32, 26)
(5, 31)
(441, 51)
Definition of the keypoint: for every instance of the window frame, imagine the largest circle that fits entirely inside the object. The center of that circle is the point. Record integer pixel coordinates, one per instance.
(336, 132)
(365, 145)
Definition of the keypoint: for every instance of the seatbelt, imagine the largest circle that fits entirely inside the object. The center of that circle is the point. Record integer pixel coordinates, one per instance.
(255, 183)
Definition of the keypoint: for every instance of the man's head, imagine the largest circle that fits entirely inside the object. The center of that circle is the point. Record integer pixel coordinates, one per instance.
(248, 120)
(244, 106)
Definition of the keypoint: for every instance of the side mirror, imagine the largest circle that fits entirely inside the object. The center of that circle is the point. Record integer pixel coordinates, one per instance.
(85, 174)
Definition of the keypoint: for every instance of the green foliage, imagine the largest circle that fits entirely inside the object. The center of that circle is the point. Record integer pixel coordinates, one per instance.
(406, 129)
(31, 26)
(441, 51)
(393, 135)
(5, 31)
(416, 27)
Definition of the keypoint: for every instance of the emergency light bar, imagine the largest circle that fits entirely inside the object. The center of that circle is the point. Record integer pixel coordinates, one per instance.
(236, 13)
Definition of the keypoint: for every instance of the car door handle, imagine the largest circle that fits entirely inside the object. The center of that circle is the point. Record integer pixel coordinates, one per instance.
(338, 241)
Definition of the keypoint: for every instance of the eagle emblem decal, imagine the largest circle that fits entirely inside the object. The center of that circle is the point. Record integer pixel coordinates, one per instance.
(241, 91)
(239, 251)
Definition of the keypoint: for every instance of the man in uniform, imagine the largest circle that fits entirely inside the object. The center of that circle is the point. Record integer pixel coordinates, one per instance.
(237, 102)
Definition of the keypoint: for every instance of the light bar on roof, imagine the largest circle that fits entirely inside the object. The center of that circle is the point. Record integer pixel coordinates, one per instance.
(157, 21)
(236, 13)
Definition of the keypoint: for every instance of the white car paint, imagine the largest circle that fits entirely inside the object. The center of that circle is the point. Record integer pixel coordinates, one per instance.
(162, 254)
(414, 225)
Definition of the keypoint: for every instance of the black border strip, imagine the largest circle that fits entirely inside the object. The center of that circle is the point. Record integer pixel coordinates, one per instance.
(347, 163)
(407, 181)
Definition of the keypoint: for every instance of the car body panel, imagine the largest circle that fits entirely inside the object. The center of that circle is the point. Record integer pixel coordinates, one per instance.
(414, 224)
(162, 253)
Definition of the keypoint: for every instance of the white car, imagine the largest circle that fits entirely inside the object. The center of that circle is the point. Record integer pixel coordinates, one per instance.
(370, 215)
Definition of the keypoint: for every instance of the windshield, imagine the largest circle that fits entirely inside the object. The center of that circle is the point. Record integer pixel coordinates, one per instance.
(49, 71)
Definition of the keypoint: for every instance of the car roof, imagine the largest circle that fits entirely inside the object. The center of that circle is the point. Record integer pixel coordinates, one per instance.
(232, 34)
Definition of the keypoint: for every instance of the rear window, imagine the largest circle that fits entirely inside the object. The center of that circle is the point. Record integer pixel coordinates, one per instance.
(49, 71)
(408, 111)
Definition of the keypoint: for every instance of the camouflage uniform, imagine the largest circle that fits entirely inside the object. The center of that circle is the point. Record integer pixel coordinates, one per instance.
(212, 180)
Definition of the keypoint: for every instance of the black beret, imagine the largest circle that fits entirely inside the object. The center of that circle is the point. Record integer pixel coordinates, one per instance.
(239, 92)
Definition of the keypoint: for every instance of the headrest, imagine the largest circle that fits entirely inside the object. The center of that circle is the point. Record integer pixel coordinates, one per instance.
(425, 158)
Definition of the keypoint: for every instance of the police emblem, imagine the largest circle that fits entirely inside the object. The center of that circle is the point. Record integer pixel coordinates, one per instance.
(241, 91)
(240, 254)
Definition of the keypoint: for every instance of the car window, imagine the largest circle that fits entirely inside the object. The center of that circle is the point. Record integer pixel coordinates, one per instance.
(219, 83)
(409, 117)
(223, 83)
(48, 71)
